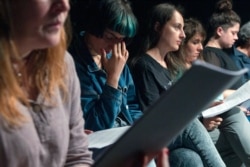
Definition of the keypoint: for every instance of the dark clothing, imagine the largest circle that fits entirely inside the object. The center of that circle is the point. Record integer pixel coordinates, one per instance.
(104, 107)
(242, 61)
(218, 57)
(151, 79)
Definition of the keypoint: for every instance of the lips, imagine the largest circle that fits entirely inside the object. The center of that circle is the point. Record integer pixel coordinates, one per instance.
(179, 42)
(54, 24)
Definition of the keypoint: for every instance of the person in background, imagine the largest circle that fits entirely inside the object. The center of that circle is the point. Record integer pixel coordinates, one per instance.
(108, 96)
(241, 51)
(40, 91)
(240, 54)
(222, 30)
(165, 34)
(230, 130)
(39, 88)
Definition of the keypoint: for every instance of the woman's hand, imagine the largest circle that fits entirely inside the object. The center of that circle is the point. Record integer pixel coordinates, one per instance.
(212, 123)
(115, 64)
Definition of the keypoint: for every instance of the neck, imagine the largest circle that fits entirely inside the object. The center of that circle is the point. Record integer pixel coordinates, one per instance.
(158, 55)
(213, 43)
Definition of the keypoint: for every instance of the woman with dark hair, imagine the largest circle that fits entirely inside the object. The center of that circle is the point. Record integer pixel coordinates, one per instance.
(190, 49)
(151, 76)
(108, 95)
(231, 143)
(222, 33)
(223, 28)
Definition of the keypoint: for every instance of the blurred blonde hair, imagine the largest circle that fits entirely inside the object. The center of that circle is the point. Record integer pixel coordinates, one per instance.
(47, 65)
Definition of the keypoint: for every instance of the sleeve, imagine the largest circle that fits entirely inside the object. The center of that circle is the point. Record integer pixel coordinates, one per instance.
(78, 153)
(100, 102)
(132, 98)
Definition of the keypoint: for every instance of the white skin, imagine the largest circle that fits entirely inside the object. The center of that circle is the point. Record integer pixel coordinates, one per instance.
(193, 48)
(226, 37)
(110, 42)
(171, 36)
(37, 23)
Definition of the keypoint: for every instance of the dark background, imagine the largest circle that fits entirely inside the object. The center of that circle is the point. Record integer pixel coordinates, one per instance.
(200, 9)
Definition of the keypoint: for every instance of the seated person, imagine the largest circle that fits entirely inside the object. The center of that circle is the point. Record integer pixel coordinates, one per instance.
(230, 131)
(163, 35)
(241, 51)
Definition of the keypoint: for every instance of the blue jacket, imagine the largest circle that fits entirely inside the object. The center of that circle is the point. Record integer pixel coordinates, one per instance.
(100, 102)
(242, 61)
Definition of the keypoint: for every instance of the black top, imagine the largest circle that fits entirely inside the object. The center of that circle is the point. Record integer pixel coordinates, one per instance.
(151, 80)
(221, 59)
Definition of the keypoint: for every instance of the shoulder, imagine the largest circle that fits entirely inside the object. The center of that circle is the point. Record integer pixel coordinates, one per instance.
(143, 62)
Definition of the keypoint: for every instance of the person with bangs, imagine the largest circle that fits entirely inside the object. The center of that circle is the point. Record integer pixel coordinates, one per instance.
(229, 131)
(108, 95)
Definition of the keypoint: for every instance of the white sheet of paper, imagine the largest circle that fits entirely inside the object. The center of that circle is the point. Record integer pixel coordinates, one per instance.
(102, 138)
(239, 96)
(158, 125)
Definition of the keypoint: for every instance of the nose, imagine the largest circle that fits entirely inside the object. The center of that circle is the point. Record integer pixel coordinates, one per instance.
(182, 35)
(236, 37)
(61, 6)
(200, 48)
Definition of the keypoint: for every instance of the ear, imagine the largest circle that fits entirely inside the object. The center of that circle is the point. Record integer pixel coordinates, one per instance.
(219, 31)
(157, 27)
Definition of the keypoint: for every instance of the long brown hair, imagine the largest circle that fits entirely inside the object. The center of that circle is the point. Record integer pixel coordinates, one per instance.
(47, 67)
(177, 60)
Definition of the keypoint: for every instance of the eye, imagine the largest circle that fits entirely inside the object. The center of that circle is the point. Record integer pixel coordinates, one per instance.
(107, 36)
(178, 26)
(196, 42)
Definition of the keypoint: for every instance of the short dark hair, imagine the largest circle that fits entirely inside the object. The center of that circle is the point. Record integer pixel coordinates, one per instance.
(193, 26)
(116, 15)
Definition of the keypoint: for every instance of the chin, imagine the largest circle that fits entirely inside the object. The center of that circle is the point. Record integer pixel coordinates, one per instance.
(175, 48)
(51, 42)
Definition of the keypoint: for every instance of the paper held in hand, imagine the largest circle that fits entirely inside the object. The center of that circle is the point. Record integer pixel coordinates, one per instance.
(239, 96)
(157, 127)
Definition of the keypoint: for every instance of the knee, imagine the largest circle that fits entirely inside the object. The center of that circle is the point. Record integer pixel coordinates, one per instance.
(183, 157)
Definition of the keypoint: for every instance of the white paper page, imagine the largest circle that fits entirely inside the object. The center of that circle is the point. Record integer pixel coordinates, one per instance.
(102, 138)
(240, 95)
